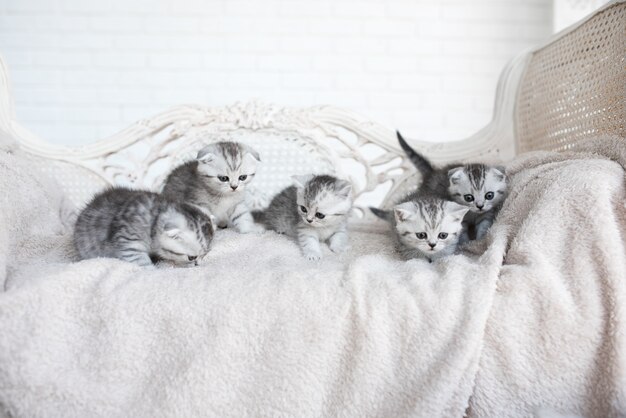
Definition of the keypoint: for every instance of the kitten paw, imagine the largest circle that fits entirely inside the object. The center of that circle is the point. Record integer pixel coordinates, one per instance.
(338, 243)
(257, 229)
(313, 256)
(251, 229)
(338, 247)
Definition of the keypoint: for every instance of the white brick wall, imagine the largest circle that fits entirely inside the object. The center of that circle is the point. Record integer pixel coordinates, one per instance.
(82, 69)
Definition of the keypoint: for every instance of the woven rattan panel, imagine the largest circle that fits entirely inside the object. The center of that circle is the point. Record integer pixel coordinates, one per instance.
(576, 86)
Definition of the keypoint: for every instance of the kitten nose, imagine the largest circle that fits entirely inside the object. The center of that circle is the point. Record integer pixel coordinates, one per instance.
(432, 245)
(480, 207)
(234, 187)
(192, 257)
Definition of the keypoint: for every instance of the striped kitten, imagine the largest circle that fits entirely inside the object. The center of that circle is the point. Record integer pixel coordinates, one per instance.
(480, 187)
(142, 227)
(216, 182)
(426, 227)
(314, 210)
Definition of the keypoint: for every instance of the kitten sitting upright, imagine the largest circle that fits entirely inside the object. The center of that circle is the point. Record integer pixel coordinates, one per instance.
(480, 187)
(314, 210)
(426, 227)
(216, 182)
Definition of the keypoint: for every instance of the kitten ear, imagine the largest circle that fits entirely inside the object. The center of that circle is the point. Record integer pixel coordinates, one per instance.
(171, 221)
(206, 155)
(344, 188)
(213, 222)
(171, 230)
(252, 152)
(403, 211)
(500, 172)
(456, 209)
(302, 180)
(455, 175)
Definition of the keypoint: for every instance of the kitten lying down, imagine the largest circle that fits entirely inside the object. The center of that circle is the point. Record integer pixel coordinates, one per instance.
(452, 205)
(480, 187)
(426, 227)
(142, 227)
(314, 210)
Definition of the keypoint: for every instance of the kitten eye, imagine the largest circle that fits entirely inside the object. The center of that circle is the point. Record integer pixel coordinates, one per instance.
(243, 177)
(303, 209)
(320, 215)
(421, 235)
(468, 198)
(192, 257)
(489, 196)
(443, 235)
(223, 178)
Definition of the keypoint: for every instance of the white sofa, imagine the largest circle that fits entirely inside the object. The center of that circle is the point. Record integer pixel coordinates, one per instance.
(530, 321)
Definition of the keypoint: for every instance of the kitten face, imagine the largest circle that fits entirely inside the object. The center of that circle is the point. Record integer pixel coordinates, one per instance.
(227, 167)
(322, 201)
(477, 186)
(183, 239)
(429, 225)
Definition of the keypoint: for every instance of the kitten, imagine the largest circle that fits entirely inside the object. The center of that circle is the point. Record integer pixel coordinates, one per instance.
(314, 210)
(426, 227)
(139, 227)
(480, 187)
(216, 182)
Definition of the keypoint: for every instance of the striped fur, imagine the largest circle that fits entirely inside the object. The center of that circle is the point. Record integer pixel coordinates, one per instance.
(142, 227)
(296, 212)
(428, 227)
(480, 187)
(216, 182)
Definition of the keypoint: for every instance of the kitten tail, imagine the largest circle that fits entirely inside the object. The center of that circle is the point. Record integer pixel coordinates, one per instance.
(419, 161)
(382, 214)
(258, 216)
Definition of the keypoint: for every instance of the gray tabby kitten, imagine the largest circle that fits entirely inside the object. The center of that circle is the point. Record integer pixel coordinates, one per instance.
(480, 187)
(426, 227)
(216, 182)
(142, 227)
(314, 210)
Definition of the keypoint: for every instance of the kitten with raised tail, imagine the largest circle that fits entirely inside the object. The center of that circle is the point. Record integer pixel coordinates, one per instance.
(314, 210)
(216, 182)
(142, 227)
(482, 188)
(426, 227)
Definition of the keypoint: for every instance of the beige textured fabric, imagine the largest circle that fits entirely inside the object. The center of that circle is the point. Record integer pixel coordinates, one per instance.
(7, 142)
(258, 331)
(575, 87)
(32, 214)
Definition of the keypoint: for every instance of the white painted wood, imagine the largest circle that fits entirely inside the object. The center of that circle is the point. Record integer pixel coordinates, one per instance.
(566, 12)
(353, 146)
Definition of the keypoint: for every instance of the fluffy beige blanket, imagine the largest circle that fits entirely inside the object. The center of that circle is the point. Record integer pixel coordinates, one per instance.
(556, 334)
(532, 322)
